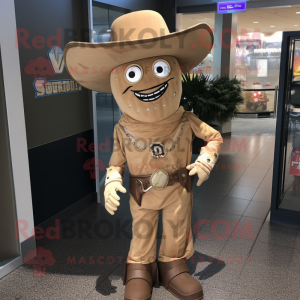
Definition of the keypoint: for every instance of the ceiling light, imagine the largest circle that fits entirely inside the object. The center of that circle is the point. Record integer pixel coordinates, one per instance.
(255, 22)
(272, 26)
(298, 12)
(282, 6)
(295, 25)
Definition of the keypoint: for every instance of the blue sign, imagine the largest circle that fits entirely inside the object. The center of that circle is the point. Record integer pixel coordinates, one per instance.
(231, 7)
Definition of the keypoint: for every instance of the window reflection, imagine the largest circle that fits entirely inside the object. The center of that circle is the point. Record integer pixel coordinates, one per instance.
(257, 65)
(108, 112)
(258, 59)
(291, 182)
(101, 28)
(258, 51)
(184, 21)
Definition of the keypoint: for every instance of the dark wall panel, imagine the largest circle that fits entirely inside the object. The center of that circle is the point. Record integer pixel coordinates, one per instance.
(169, 14)
(137, 4)
(57, 174)
(194, 2)
(42, 24)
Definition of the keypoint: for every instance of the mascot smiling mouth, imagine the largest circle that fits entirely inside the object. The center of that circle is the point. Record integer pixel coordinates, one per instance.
(154, 95)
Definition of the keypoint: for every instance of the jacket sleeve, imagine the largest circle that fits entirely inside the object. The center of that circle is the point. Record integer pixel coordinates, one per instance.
(210, 153)
(118, 158)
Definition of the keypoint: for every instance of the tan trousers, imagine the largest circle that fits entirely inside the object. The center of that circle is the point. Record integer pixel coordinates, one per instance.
(177, 241)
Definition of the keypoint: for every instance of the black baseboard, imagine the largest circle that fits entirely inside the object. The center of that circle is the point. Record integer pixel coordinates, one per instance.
(70, 211)
(30, 244)
(226, 134)
(27, 245)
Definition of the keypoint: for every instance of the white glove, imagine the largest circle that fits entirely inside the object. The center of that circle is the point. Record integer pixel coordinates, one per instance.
(195, 168)
(111, 197)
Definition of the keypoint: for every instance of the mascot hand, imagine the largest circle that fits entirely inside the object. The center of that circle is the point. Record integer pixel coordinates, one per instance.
(195, 168)
(111, 197)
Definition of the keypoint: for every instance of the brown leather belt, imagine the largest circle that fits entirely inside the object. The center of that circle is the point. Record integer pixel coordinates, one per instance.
(140, 184)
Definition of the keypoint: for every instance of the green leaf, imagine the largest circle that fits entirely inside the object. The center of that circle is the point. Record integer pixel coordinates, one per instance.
(211, 99)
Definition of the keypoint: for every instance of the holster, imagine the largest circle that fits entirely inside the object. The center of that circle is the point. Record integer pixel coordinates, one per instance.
(137, 191)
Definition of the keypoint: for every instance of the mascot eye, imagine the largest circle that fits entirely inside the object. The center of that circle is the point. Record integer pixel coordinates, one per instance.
(161, 68)
(133, 74)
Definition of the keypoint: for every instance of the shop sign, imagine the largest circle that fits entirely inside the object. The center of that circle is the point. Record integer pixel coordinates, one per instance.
(42, 68)
(262, 67)
(231, 7)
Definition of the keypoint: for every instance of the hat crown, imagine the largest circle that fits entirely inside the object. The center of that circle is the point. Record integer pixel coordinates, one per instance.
(138, 25)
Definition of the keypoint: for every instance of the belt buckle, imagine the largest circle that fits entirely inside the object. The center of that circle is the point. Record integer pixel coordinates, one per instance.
(159, 179)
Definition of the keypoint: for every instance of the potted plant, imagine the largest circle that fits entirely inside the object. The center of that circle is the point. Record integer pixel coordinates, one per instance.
(212, 100)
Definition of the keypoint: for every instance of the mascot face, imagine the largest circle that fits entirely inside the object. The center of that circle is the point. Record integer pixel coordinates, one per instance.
(148, 90)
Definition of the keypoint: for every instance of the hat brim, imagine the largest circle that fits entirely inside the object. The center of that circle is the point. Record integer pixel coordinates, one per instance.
(90, 64)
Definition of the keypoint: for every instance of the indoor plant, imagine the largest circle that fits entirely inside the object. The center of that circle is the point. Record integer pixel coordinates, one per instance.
(211, 99)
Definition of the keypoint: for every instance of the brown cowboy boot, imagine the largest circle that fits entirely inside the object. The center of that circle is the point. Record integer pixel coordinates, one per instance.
(139, 280)
(177, 280)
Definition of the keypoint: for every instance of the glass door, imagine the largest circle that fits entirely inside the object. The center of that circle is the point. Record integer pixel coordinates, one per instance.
(290, 185)
(286, 174)
(106, 112)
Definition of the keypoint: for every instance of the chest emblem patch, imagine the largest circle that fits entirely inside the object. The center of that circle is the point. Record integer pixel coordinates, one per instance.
(158, 150)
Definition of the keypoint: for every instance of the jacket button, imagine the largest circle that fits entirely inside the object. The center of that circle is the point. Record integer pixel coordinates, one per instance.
(183, 175)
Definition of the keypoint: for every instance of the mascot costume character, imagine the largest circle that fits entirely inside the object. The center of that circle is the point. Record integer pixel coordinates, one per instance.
(142, 66)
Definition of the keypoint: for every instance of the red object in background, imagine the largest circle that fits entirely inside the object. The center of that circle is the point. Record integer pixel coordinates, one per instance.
(296, 62)
(295, 169)
(295, 162)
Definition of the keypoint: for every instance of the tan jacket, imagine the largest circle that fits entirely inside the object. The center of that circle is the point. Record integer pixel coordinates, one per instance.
(141, 162)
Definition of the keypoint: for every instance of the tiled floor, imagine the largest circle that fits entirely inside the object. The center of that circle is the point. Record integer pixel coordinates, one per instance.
(245, 256)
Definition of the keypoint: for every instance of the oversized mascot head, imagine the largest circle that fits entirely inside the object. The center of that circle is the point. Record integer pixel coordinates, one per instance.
(141, 65)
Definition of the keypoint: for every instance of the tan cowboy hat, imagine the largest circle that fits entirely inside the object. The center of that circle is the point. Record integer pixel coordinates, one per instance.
(135, 36)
